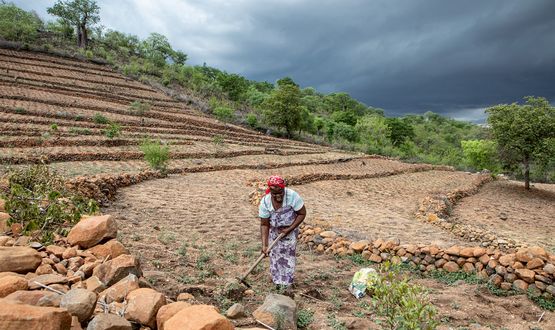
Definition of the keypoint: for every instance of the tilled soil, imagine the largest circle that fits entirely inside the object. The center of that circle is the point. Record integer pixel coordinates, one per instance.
(198, 231)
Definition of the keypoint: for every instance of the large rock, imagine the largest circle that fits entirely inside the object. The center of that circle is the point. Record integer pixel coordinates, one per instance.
(120, 290)
(95, 285)
(109, 322)
(10, 284)
(28, 297)
(359, 246)
(526, 274)
(236, 311)
(26, 317)
(80, 303)
(92, 230)
(451, 267)
(143, 305)
(198, 317)
(168, 311)
(114, 270)
(4, 217)
(278, 311)
(112, 248)
(19, 259)
(535, 263)
(46, 280)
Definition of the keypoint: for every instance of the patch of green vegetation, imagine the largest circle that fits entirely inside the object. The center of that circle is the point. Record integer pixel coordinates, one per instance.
(20, 110)
(38, 199)
(156, 154)
(451, 278)
(166, 237)
(80, 131)
(140, 108)
(304, 318)
(334, 323)
(100, 119)
(112, 130)
(543, 302)
(185, 279)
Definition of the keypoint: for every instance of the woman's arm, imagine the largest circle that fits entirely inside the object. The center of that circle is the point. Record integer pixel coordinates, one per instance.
(264, 232)
(301, 214)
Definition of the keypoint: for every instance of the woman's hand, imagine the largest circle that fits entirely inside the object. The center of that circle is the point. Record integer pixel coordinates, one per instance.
(265, 251)
(285, 230)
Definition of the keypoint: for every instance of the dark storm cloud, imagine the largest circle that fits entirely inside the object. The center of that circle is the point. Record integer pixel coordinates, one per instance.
(451, 57)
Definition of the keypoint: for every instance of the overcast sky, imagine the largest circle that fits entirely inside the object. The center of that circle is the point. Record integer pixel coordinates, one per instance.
(405, 56)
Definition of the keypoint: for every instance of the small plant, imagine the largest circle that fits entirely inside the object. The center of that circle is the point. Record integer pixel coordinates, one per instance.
(224, 113)
(112, 130)
(38, 199)
(80, 131)
(304, 318)
(543, 302)
(100, 119)
(139, 107)
(157, 263)
(218, 140)
(402, 305)
(335, 324)
(182, 251)
(54, 128)
(157, 155)
(79, 118)
(166, 238)
(20, 111)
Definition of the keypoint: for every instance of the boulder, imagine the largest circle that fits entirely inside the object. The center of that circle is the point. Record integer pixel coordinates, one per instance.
(28, 297)
(69, 253)
(451, 267)
(507, 260)
(46, 280)
(535, 263)
(467, 252)
(58, 251)
(121, 289)
(25, 317)
(453, 251)
(526, 274)
(198, 317)
(328, 234)
(109, 322)
(19, 259)
(80, 303)
(143, 305)
(236, 311)
(549, 268)
(359, 246)
(185, 296)
(520, 285)
(95, 285)
(92, 230)
(10, 284)
(166, 312)
(112, 248)
(277, 311)
(114, 270)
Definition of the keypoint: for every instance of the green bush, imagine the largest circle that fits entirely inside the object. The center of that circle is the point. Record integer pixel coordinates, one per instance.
(38, 199)
(304, 318)
(252, 121)
(157, 154)
(139, 107)
(113, 130)
(224, 113)
(100, 119)
(401, 304)
(481, 154)
(18, 25)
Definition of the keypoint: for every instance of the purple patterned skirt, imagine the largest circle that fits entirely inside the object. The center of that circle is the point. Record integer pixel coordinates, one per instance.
(282, 255)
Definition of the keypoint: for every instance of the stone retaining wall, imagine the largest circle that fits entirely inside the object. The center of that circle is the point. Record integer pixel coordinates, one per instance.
(523, 269)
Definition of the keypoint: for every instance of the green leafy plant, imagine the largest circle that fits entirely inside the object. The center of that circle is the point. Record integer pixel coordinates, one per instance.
(252, 120)
(451, 278)
(112, 130)
(218, 140)
(38, 199)
(139, 107)
(156, 154)
(100, 119)
(402, 305)
(304, 318)
(20, 110)
(224, 113)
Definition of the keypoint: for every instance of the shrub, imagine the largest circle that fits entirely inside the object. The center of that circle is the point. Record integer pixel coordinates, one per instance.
(113, 130)
(481, 154)
(224, 113)
(139, 107)
(402, 305)
(38, 199)
(157, 154)
(54, 128)
(218, 140)
(252, 121)
(80, 131)
(304, 318)
(20, 110)
(17, 24)
(100, 119)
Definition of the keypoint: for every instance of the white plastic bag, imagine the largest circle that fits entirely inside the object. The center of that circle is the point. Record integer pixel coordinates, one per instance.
(361, 280)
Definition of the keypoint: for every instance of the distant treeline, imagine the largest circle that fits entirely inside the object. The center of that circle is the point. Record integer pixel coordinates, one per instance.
(282, 108)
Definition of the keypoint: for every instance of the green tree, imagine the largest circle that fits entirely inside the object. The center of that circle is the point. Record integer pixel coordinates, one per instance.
(400, 130)
(18, 25)
(82, 14)
(480, 154)
(283, 107)
(234, 85)
(374, 132)
(522, 131)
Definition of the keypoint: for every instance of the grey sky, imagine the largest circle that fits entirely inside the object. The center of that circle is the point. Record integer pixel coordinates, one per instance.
(405, 56)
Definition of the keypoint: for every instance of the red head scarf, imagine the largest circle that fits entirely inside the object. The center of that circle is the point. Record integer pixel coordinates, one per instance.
(275, 181)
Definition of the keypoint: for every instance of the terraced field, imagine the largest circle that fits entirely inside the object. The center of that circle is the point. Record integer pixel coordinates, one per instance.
(203, 209)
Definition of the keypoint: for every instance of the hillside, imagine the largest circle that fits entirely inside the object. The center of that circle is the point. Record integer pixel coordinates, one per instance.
(197, 227)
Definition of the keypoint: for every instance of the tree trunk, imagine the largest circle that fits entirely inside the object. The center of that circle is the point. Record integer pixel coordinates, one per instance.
(78, 36)
(84, 37)
(526, 173)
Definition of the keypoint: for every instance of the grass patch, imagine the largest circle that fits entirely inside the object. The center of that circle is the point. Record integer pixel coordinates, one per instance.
(451, 278)
(156, 154)
(139, 107)
(166, 238)
(100, 119)
(304, 318)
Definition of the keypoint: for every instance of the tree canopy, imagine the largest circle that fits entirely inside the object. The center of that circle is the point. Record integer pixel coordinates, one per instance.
(81, 14)
(283, 108)
(524, 133)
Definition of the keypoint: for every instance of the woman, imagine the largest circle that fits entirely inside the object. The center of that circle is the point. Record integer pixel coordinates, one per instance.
(281, 210)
